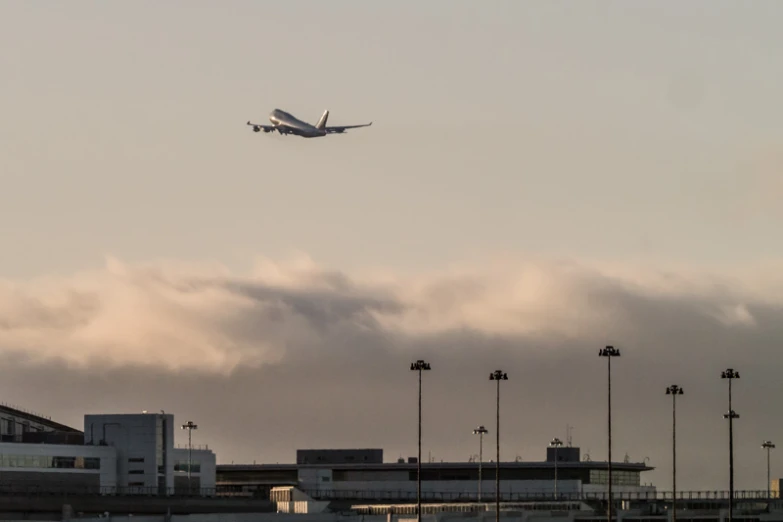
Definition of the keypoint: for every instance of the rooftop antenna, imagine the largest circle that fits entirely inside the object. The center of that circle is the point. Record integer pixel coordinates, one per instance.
(569, 428)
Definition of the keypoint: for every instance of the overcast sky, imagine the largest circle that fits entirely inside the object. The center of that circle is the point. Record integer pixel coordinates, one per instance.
(541, 179)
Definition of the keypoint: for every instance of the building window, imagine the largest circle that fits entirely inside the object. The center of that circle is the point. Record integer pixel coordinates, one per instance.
(180, 465)
(136, 472)
(41, 461)
(92, 463)
(620, 478)
(136, 459)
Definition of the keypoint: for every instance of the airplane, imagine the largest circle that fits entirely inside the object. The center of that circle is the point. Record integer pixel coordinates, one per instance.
(285, 123)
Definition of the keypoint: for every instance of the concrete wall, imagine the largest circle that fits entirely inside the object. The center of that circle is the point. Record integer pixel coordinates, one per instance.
(600, 489)
(486, 516)
(207, 466)
(342, 456)
(256, 517)
(137, 439)
(309, 481)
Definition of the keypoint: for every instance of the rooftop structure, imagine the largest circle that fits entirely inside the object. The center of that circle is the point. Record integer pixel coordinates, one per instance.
(335, 480)
(339, 456)
(18, 425)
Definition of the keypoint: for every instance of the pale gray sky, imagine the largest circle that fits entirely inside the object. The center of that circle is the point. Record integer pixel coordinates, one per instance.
(601, 129)
(615, 132)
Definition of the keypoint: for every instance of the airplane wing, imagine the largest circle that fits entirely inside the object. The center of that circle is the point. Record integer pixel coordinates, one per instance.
(341, 129)
(258, 127)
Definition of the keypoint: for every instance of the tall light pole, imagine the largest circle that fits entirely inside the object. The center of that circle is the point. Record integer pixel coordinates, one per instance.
(480, 431)
(730, 374)
(556, 443)
(768, 446)
(609, 352)
(190, 427)
(674, 391)
(419, 366)
(497, 375)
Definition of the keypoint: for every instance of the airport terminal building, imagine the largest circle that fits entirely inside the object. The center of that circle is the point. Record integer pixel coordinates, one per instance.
(122, 453)
(362, 474)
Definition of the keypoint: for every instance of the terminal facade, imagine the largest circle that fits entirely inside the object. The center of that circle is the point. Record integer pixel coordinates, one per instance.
(120, 453)
(361, 473)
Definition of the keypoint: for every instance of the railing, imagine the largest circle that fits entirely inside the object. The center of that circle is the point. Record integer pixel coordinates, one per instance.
(192, 446)
(536, 496)
(390, 496)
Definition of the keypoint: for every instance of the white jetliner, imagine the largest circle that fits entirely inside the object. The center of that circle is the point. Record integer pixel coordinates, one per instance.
(285, 123)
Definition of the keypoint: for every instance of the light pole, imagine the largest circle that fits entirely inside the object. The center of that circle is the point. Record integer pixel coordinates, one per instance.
(480, 431)
(609, 352)
(730, 374)
(190, 427)
(556, 443)
(768, 446)
(419, 366)
(498, 376)
(674, 391)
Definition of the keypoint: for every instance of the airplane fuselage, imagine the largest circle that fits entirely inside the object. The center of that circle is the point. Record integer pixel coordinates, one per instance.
(286, 123)
(294, 125)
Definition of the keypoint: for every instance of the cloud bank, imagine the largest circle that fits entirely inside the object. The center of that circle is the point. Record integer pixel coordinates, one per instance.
(297, 355)
(203, 318)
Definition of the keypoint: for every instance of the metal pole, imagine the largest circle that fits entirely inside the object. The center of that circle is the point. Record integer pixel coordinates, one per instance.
(555, 472)
(497, 461)
(768, 445)
(609, 502)
(481, 459)
(674, 391)
(674, 457)
(731, 374)
(418, 461)
(497, 375)
(190, 426)
(190, 458)
(556, 443)
(731, 458)
(481, 430)
(768, 481)
(419, 366)
(609, 352)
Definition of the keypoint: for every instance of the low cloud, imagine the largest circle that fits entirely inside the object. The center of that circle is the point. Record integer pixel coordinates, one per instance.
(206, 319)
(297, 355)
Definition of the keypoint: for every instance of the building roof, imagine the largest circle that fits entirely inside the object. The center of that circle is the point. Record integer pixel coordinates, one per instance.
(46, 421)
(588, 464)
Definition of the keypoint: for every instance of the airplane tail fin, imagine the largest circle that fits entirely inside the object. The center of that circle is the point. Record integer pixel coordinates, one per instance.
(322, 122)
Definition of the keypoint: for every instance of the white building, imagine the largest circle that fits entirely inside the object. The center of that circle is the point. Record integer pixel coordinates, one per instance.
(203, 468)
(143, 443)
(60, 467)
(362, 474)
(116, 454)
(147, 461)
